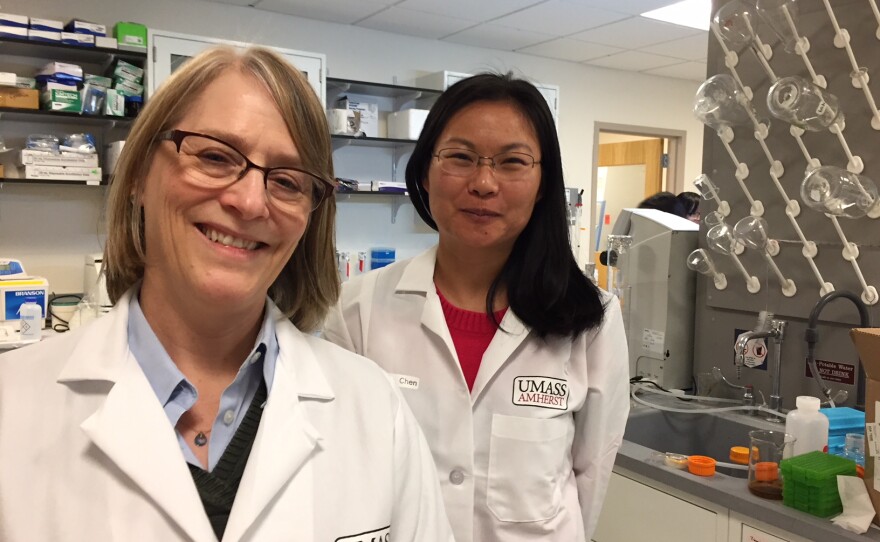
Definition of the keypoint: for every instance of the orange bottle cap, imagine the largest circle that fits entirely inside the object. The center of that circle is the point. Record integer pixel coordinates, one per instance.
(701, 465)
(739, 455)
(766, 471)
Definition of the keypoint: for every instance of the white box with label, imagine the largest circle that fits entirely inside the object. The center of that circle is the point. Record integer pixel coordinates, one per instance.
(406, 124)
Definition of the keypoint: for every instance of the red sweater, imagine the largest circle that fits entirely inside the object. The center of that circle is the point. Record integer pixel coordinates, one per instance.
(471, 334)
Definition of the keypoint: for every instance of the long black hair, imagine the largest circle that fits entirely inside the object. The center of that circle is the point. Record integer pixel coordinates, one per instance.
(545, 287)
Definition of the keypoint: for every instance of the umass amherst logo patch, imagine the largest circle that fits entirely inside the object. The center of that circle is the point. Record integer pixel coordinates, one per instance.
(540, 391)
(377, 535)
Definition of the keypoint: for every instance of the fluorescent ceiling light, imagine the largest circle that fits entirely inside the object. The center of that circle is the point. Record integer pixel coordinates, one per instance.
(691, 13)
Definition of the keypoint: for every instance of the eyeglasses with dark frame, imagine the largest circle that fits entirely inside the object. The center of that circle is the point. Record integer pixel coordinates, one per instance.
(505, 165)
(214, 163)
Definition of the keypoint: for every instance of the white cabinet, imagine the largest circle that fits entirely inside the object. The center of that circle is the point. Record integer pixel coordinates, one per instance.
(639, 509)
(634, 511)
(169, 51)
(445, 79)
(746, 529)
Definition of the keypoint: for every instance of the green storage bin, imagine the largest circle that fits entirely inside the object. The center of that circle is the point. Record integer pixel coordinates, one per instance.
(810, 482)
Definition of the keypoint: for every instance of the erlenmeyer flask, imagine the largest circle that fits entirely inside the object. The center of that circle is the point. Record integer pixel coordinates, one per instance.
(737, 23)
(838, 192)
(720, 104)
(752, 232)
(803, 104)
(720, 239)
(776, 13)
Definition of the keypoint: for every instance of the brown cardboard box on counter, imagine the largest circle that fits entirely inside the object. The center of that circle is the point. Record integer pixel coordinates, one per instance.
(20, 98)
(867, 341)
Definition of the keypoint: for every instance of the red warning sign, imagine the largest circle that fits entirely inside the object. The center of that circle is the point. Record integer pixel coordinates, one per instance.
(833, 371)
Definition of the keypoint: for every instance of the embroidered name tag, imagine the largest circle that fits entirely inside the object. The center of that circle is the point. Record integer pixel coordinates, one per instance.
(540, 391)
(378, 535)
(408, 382)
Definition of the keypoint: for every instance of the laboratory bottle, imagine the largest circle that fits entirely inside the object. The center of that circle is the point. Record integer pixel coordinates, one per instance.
(807, 425)
(31, 316)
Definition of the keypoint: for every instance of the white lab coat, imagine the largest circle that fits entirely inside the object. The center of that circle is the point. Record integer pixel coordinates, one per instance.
(514, 465)
(87, 453)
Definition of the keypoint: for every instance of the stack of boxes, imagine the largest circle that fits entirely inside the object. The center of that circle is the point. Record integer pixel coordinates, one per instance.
(59, 84)
(63, 166)
(842, 420)
(126, 36)
(811, 482)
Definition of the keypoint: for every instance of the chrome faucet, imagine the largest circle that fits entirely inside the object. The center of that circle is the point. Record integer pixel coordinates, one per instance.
(776, 334)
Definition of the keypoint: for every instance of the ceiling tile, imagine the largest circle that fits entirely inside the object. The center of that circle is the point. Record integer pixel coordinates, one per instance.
(337, 11)
(559, 17)
(414, 23)
(631, 7)
(479, 10)
(235, 2)
(633, 61)
(635, 33)
(694, 71)
(497, 37)
(569, 49)
(690, 48)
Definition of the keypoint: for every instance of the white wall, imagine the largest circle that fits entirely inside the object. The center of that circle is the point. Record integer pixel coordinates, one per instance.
(587, 95)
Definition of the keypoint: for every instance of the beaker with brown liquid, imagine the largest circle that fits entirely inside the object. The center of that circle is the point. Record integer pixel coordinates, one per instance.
(767, 449)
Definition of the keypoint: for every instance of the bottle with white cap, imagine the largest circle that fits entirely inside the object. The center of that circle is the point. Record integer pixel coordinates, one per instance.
(807, 425)
(31, 320)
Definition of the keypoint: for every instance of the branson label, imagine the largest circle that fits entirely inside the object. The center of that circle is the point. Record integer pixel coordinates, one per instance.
(540, 391)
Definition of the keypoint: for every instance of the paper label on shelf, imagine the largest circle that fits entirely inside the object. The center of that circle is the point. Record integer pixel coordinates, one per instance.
(877, 472)
(653, 341)
(871, 438)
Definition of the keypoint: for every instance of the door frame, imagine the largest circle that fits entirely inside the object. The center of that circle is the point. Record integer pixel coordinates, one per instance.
(675, 171)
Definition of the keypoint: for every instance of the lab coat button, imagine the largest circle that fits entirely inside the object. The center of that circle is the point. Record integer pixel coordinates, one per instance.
(228, 417)
(456, 477)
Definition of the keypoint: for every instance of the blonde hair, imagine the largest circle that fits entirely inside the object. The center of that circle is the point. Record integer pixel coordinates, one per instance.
(308, 284)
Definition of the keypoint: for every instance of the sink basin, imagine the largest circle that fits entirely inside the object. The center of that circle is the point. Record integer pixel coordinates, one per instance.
(690, 434)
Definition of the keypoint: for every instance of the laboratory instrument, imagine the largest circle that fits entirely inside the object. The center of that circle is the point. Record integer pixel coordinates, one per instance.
(658, 305)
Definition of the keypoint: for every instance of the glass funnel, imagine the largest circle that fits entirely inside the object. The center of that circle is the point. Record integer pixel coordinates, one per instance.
(803, 104)
(720, 239)
(737, 23)
(781, 16)
(752, 232)
(838, 192)
(720, 104)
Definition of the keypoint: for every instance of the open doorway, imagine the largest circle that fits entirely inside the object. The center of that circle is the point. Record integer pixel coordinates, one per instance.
(630, 163)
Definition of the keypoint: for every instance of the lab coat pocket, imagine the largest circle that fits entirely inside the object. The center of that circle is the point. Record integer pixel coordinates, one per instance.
(526, 458)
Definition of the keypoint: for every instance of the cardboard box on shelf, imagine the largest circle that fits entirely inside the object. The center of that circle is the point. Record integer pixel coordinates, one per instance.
(61, 100)
(20, 98)
(44, 35)
(59, 173)
(84, 27)
(369, 114)
(50, 25)
(74, 38)
(106, 43)
(867, 341)
(8, 19)
(30, 157)
(13, 31)
(406, 124)
(130, 36)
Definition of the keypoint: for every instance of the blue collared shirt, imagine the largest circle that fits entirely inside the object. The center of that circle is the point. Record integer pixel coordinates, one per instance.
(177, 394)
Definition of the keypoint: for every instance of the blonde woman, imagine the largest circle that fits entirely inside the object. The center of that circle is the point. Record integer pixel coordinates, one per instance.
(200, 407)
